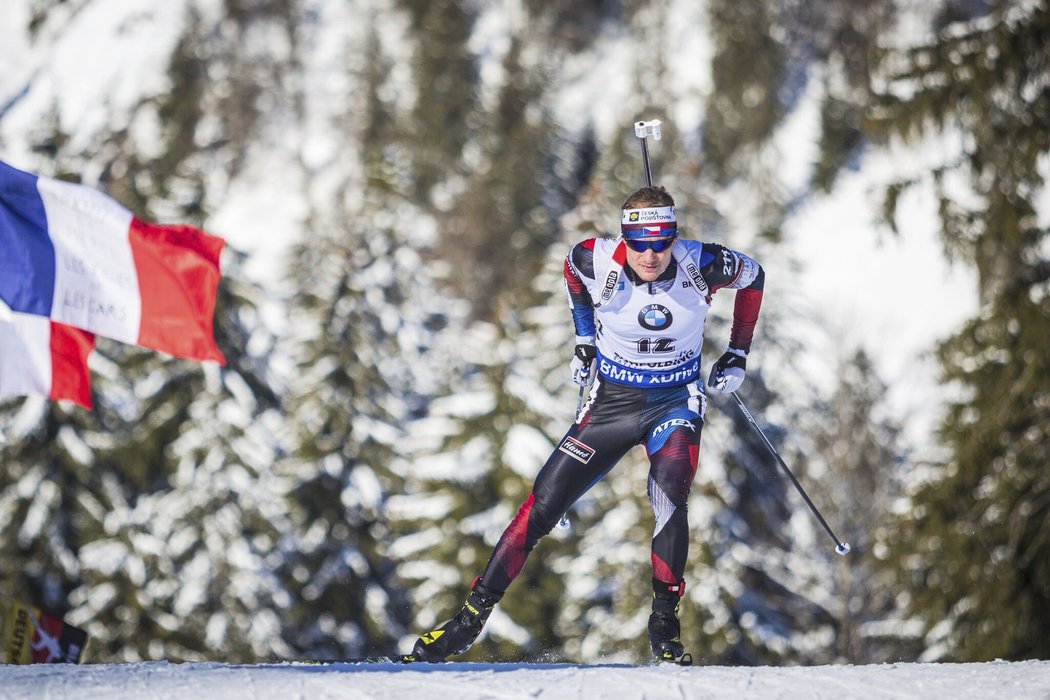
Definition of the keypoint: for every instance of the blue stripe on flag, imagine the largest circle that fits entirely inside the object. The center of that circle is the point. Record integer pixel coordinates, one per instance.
(27, 256)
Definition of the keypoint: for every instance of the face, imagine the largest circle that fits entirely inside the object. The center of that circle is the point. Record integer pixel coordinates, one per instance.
(649, 264)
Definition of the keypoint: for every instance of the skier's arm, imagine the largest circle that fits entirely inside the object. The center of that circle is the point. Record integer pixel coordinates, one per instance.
(746, 306)
(728, 269)
(579, 264)
(733, 270)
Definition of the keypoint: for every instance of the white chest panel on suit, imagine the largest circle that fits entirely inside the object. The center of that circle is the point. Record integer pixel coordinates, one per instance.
(649, 336)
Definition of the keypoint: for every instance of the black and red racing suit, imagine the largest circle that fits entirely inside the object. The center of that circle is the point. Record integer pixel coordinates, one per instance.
(667, 420)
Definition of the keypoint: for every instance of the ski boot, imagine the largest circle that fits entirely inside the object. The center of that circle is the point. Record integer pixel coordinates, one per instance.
(456, 635)
(665, 631)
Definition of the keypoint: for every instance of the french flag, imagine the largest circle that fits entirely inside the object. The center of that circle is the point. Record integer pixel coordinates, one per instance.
(75, 256)
(39, 357)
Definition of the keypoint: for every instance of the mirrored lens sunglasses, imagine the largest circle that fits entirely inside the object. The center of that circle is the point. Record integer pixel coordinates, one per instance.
(658, 245)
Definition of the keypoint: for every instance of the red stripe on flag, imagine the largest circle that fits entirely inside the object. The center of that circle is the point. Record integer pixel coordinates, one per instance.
(178, 268)
(70, 377)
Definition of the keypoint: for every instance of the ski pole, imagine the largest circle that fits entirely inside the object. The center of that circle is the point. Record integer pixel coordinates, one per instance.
(643, 130)
(563, 523)
(841, 547)
(583, 392)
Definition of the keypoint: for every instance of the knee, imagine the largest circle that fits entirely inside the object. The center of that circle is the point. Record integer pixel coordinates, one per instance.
(673, 490)
(535, 519)
(544, 516)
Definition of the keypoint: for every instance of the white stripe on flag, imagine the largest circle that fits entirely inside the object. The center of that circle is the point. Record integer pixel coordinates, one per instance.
(25, 347)
(96, 283)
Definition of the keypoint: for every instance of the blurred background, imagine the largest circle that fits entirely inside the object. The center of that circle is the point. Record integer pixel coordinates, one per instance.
(399, 181)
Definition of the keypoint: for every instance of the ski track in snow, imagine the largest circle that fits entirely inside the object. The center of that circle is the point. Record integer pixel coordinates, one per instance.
(460, 681)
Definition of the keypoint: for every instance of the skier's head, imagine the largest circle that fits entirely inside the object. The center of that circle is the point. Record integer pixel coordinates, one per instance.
(648, 197)
(649, 228)
(648, 213)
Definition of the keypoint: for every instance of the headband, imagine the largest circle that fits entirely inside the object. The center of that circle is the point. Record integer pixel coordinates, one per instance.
(650, 221)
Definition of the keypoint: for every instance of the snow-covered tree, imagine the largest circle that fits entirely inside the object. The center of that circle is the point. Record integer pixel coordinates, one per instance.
(974, 544)
(857, 475)
(398, 182)
(160, 508)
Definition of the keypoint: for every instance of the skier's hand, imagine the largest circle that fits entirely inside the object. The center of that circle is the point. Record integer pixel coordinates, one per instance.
(583, 357)
(728, 373)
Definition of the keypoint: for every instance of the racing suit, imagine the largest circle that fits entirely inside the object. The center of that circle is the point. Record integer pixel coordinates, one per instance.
(647, 391)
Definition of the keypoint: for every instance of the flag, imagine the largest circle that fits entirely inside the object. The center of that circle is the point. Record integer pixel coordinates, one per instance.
(76, 256)
(31, 636)
(39, 357)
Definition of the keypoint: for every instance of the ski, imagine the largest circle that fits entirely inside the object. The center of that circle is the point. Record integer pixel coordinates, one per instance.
(397, 659)
(685, 659)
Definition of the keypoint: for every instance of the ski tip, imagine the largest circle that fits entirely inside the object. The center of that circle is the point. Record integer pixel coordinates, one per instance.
(396, 659)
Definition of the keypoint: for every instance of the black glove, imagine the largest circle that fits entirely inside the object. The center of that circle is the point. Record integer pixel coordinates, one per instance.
(728, 373)
(583, 357)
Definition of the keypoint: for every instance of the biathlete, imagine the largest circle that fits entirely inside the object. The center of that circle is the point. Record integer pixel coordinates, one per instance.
(638, 303)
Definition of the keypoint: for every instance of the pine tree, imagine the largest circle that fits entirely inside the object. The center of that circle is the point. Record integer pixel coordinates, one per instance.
(445, 114)
(754, 593)
(160, 525)
(438, 178)
(366, 313)
(974, 547)
(182, 524)
(45, 460)
(360, 370)
(748, 72)
(857, 477)
(151, 523)
(835, 42)
(495, 229)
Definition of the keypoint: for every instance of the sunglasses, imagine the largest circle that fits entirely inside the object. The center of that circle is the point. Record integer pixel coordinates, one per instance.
(657, 246)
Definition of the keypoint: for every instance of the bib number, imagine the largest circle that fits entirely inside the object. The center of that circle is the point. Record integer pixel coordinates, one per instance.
(654, 346)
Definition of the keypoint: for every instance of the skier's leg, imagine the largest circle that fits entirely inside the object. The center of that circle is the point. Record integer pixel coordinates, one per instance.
(673, 446)
(583, 457)
(587, 452)
(673, 455)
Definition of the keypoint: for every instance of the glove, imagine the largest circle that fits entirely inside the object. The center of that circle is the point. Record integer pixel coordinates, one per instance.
(728, 373)
(582, 358)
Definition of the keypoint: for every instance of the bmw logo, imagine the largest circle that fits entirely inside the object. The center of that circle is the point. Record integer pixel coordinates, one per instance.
(655, 317)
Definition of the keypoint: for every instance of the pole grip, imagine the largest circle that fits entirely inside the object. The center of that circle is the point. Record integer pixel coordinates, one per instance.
(643, 130)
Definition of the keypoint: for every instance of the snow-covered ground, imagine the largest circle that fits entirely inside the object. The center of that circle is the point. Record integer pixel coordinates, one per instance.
(211, 681)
